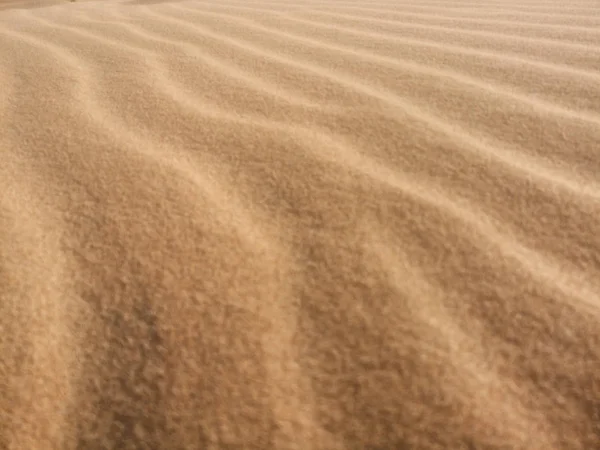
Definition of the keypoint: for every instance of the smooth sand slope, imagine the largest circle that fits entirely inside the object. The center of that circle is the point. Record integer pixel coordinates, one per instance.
(300, 225)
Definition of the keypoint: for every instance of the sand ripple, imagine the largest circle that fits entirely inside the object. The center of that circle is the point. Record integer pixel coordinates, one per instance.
(299, 225)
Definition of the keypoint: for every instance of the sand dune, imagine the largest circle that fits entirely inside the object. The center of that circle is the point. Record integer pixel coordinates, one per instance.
(299, 225)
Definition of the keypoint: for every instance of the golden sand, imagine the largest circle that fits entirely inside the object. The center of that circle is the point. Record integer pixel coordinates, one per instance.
(311, 225)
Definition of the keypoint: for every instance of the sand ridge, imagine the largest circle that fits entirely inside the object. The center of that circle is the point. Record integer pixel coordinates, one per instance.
(299, 224)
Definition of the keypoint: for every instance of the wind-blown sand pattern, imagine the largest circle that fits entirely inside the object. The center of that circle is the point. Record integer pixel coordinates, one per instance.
(300, 225)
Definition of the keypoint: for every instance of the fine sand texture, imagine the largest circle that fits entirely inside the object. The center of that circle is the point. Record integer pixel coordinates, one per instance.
(300, 225)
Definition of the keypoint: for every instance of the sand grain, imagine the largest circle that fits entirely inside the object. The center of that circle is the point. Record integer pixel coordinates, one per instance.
(299, 225)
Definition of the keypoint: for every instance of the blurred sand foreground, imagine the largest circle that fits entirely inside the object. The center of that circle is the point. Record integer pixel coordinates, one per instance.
(311, 225)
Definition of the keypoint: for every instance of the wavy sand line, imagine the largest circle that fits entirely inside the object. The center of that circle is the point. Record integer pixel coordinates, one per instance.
(480, 7)
(138, 143)
(370, 56)
(145, 44)
(496, 12)
(229, 70)
(231, 227)
(338, 50)
(166, 83)
(453, 130)
(182, 97)
(400, 24)
(427, 303)
(496, 114)
(398, 28)
(278, 316)
(583, 36)
(40, 317)
(464, 18)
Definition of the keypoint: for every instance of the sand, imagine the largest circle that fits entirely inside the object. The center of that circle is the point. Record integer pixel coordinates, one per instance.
(312, 225)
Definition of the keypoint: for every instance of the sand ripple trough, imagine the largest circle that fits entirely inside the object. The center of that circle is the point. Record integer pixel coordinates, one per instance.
(299, 224)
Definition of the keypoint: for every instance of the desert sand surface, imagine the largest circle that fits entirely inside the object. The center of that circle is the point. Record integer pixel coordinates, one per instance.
(311, 225)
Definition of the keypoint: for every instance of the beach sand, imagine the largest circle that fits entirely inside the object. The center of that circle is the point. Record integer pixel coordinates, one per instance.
(311, 225)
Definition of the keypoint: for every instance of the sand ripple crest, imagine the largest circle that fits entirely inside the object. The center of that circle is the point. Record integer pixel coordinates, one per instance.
(299, 224)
